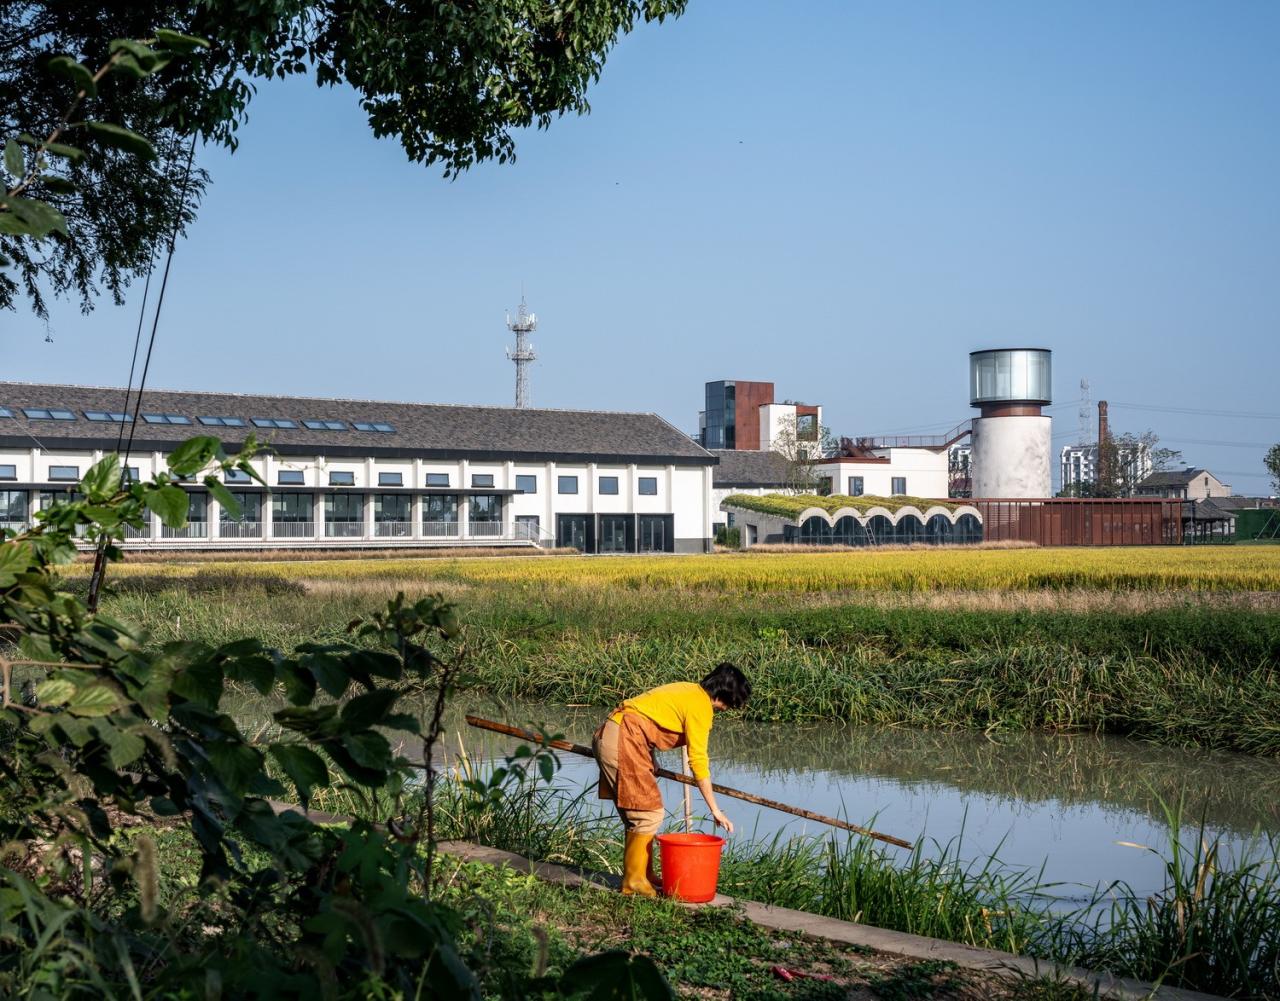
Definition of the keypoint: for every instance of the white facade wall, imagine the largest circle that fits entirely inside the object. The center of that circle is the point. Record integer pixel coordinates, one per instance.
(925, 471)
(776, 418)
(682, 492)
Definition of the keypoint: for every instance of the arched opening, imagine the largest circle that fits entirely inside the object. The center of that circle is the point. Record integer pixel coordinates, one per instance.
(910, 529)
(968, 529)
(939, 530)
(849, 532)
(815, 531)
(879, 530)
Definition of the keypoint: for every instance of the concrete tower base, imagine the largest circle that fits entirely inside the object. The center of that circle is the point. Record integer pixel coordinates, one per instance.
(1011, 456)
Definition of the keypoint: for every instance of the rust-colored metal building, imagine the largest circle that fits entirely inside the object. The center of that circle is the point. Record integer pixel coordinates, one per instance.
(1078, 521)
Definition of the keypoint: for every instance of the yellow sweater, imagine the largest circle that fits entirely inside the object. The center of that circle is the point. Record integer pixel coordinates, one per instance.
(682, 707)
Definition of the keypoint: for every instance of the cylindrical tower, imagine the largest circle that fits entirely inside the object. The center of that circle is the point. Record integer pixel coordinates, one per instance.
(1011, 438)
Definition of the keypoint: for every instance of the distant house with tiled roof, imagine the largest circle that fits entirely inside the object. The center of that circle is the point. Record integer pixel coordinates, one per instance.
(1185, 484)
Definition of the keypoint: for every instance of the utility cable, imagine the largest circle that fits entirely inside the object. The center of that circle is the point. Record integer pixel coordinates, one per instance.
(133, 362)
(100, 561)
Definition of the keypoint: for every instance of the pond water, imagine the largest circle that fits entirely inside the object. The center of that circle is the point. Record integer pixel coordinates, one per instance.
(1064, 802)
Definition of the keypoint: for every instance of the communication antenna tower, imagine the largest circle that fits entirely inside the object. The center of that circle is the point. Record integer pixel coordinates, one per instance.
(522, 354)
(1086, 412)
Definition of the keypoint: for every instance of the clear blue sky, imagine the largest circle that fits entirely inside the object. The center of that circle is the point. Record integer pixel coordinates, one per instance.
(845, 198)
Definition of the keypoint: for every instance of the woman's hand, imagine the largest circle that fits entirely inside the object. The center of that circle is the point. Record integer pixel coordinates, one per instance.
(722, 821)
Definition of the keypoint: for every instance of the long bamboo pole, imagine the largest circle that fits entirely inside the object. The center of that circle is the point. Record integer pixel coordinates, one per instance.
(796, 811)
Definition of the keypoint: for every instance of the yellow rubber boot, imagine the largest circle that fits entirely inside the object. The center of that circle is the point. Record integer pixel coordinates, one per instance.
(635, 860)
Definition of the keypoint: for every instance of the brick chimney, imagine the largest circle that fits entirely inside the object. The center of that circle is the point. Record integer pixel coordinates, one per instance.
(1104, 457)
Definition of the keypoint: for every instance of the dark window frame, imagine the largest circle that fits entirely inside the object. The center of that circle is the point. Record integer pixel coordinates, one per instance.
(437, 477)
(347, 478)
(640, 486)
(482, 481)
(73, 478)
(295, 478)
(385, 479)
(561, 480)
(527, 477)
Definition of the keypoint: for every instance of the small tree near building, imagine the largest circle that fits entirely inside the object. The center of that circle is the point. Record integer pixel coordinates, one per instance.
(1272, 462)
(802, 441)
(1130, 459)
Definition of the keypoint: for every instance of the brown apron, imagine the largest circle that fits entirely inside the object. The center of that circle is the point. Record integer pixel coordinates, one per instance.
(637, 788)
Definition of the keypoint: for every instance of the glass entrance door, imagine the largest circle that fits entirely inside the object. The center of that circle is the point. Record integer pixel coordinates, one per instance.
(613, 533)
(653, 534)
(571, 532)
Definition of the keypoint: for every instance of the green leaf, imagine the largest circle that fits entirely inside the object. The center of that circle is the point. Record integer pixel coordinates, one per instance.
(123, 747)
(235, 764)
(103, 478)
(368, 749)
(118, 137)
(55, 691)
(369, 709)
(15, 558)
(179, 42)
(193, 455)
(14, 162)
(93, 699)
(72, 153)
(58, 185)
(169, 502)
(78, 73)
(615, 976)
(139, 59)
(39, 218)
(305, 768)
(225, 498)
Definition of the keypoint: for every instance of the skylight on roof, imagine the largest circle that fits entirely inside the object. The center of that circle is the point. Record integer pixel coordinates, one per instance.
(102, 416)
(50, 414)
(222, 422)
(166, 419)
(5, 412)
(379, 426)
(273, 422)
(325, 425)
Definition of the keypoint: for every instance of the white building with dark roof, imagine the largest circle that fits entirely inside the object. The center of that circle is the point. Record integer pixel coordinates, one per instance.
(360, 473)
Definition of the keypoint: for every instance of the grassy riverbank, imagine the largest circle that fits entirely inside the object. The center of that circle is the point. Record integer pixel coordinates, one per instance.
(1215, 926)
(1179, 668)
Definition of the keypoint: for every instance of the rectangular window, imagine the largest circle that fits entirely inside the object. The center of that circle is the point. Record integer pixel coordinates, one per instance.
(899, 485)
(166, 419)
(53, 414)
(825, 485)
(5, 412)
(566, 484)
(250, 513)
(222, 422)
(131, 474)
(13, 507)
(236, 476)
(648, 486)
(290, 478)
(437, 479)
(292, 509)
(391, 479)
(197, 508)
(64, 473)
(482, 479)
(807, 427)
(8, 472)
(486, 509)
(104, 416)
(608, 484)
(380, 426)
(325, 425)
(440, 508)
(856, 488)
(345, 508)
(527, 527)
(527, 485)
(342, 478)
(273, 422)
(392, 507)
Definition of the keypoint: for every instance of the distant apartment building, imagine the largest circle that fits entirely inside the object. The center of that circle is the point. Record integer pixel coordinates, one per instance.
(744, 415)
(1079, 465)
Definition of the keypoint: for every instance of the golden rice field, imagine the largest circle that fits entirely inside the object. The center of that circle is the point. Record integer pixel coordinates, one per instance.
(1236, 568)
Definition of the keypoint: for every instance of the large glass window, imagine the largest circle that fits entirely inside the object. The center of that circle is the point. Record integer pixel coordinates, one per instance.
(292, 516)
(648, 486)
(486, 508)
(440, 507)
(899, 485)
(14, 509)
(249, 524)
(343, 516)
(608, 484)
(527, 484)
(856, 487)
(566, 484)
(392, 514)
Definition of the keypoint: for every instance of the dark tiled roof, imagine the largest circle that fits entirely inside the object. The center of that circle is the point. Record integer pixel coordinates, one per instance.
(1172, 478)
(747, 468)
(1209, 510)
(419, 429)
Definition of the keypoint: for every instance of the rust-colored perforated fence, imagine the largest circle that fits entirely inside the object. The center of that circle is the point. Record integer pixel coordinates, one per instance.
(1072, 521)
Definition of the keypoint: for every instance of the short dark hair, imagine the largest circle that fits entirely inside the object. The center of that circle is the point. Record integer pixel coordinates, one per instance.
(728, 684)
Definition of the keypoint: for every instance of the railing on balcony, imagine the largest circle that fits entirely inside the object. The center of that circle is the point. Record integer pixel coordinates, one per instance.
(485, 529)
(240, 530)
(344, 529)
(191, 530)
(14, 526)
(293, 529)
(439, 529)
(393, 529)
(136, 533)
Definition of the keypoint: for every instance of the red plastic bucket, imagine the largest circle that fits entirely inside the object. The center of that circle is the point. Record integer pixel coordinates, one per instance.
(690, 866)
